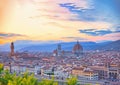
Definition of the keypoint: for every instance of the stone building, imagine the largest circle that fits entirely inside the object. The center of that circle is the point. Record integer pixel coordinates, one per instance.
(78, 49)
(12, 49)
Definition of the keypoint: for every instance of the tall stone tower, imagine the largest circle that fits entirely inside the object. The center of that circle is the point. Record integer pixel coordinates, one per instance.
(12, 49)
(59, 49)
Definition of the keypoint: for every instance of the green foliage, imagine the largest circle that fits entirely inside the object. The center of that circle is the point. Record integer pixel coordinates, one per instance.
(72, 81)
(48, 82)
(1, 68)
(13, 79)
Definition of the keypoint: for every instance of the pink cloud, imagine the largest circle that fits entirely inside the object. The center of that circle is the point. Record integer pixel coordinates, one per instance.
(113, 36)
(52, 9)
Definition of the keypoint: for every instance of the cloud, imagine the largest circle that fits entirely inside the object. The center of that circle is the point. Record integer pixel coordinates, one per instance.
(92, 10)
(53, 8)
(9, 35)
(94, 32)
(74, 38)
(116, 27)
(83, 13)
(76, 4)
(53, 19)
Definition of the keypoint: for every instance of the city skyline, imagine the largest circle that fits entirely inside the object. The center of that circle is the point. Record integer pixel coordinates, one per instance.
(59, 20)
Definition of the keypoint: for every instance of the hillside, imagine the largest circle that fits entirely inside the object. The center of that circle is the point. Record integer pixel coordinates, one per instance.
(115, 45)
(110, 45)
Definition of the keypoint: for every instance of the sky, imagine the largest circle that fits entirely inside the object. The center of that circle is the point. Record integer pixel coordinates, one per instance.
(59, 20)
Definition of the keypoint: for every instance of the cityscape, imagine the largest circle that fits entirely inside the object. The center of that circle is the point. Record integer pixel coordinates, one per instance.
(90, 67)
(59, 42)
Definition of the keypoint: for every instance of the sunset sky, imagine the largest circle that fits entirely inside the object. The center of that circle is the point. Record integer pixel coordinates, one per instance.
(59, 20)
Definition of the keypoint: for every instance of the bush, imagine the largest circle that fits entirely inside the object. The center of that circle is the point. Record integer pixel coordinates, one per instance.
(72, 81)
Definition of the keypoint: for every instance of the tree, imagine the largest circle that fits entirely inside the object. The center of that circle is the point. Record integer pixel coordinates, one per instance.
(48, 82)
(1, 68)
(72, 81)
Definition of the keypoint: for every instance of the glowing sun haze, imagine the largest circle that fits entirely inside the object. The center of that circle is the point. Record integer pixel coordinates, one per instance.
(65, 20)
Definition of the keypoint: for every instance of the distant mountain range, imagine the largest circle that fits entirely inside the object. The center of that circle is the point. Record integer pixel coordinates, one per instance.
(65, 46)
(49, 47)
(111, 46)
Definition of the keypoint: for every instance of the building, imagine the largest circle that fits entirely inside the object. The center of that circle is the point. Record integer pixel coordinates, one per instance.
(55, 53)
(85, 73)
(113, 72)
(12, 49)
(37, 69)
(58, 51)
(77, 71)
(78, 49)
(101, 70)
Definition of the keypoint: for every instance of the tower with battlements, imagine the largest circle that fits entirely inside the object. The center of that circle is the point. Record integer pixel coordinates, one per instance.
(12, 49)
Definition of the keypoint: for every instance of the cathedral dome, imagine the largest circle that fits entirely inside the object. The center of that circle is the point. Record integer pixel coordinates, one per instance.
(77, 47)
(55, 51)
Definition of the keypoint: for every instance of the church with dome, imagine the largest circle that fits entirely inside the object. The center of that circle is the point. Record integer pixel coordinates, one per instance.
(78, 49)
